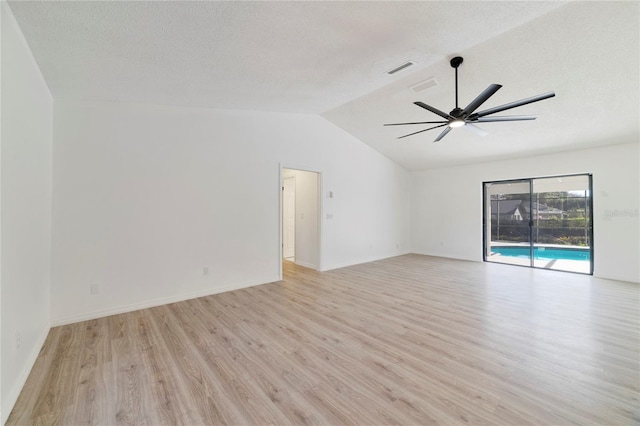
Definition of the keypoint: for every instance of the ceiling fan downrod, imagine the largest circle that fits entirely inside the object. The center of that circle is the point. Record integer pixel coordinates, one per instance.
(455, 63)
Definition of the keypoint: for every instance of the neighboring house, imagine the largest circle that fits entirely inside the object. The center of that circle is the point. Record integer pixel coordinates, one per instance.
(508, 210)
(543, 212)
(519, 210)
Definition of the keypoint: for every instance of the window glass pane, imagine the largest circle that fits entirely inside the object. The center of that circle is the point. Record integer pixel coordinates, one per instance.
(562, 223)
(507, 222)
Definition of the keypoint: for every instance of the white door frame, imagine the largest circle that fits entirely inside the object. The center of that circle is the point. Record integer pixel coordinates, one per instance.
(320, 211)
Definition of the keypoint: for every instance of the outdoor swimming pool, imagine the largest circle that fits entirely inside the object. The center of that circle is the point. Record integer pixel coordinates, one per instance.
(544, 253)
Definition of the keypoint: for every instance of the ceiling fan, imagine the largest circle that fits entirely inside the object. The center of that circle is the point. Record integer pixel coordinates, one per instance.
(467, 117)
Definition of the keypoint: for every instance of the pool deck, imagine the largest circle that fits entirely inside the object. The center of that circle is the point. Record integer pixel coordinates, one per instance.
(581, 266)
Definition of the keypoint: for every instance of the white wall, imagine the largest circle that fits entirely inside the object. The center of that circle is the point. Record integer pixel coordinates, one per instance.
(25, 225)
(146, 196)
(446, 210)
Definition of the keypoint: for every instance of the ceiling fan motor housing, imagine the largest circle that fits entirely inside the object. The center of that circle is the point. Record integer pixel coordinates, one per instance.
(456, 112)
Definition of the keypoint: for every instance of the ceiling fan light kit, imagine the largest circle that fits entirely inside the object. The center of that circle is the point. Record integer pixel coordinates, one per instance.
(467, 117)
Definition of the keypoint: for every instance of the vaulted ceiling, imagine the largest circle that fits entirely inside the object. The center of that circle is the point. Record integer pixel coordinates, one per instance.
(331, 58)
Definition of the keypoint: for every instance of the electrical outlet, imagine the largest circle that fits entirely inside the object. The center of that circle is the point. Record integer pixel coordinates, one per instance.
(94, 289)
(205, 270)
(18, 339)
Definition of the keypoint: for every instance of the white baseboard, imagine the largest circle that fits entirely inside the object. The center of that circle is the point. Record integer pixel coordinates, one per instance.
(153, 303)
(363, 260)
(306, 265)
(14, 393)
(446, 255)
(615, 277)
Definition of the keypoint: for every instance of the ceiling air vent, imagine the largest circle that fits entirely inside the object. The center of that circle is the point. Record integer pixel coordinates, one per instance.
(401, 67)
(424, 85)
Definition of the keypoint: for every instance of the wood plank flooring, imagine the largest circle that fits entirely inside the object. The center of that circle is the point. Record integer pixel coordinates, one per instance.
(411, 340)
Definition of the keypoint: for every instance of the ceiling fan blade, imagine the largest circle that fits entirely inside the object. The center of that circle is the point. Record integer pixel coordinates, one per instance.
(512, 105)
(475, 129)
(443, 134)
(415, 133)
(417, 122)
(482, 97)
(434, 110)
(505, 118)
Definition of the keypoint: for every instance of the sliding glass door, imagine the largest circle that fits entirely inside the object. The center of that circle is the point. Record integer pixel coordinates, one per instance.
(540, 222)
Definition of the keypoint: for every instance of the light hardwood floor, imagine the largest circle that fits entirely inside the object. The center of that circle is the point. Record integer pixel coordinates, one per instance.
(409, 340)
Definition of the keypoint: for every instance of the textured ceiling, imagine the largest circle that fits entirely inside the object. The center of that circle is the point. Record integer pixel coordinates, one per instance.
(303, 57)
(331, 57)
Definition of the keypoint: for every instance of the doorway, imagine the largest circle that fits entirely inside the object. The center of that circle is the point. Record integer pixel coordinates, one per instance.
(540, 222)
(300, 217)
